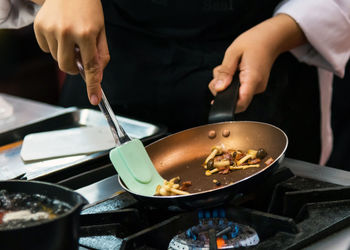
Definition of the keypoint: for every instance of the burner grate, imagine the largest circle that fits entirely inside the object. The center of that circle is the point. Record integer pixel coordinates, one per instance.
(214, 232)
(300, 212)
(319, 220)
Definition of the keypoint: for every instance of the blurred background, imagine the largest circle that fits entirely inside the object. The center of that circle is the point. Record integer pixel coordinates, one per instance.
(26, 71)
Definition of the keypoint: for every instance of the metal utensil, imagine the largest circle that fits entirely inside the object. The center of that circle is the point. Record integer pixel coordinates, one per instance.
(120, 136)
(129, 157)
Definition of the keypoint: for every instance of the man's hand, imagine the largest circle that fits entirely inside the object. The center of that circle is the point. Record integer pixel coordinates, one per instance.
(253, 54)
(62, 25)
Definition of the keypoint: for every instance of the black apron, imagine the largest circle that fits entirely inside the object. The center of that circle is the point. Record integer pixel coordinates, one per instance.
(162, 56)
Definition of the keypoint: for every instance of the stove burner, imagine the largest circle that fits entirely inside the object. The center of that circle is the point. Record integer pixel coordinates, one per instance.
(228, 234)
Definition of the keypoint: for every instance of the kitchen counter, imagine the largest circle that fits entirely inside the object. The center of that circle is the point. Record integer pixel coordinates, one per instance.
(17, 112)
(20, 117)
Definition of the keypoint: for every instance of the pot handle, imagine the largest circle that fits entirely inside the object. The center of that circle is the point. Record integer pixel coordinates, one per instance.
(223, 108)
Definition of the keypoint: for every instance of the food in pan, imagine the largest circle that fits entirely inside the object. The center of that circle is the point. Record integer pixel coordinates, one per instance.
(19, 210)
(173, 187)
(223, 161)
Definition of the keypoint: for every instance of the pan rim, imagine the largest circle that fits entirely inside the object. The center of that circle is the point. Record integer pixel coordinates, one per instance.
(278, 159)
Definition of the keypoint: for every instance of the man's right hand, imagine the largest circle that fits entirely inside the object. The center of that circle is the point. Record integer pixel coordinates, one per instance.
(62, 25)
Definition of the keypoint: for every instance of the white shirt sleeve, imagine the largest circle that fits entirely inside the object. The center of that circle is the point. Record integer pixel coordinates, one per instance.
(17, 13)
(326, 24)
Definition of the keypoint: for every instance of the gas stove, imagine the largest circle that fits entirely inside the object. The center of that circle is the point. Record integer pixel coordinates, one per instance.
(301, 205)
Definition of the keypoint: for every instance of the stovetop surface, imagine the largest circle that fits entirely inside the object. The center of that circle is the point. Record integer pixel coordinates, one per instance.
(297, 207)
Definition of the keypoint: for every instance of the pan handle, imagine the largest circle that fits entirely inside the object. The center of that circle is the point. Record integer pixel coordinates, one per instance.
(224, 106)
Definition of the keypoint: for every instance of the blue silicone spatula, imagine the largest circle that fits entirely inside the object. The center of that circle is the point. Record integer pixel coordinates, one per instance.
(129, 157)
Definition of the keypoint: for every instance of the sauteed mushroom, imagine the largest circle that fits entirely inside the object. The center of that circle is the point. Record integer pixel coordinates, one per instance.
(223, 161)
(214, 151)
(221, 164)
(250, 154)
(218, 161)
(210, 164)
(261, 153)
(172, 187)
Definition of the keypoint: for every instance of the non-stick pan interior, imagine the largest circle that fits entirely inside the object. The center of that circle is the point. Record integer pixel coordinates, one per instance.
(183, 153)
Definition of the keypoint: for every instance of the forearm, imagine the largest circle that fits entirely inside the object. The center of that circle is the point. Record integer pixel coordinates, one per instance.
(279, 34)
(288, 34)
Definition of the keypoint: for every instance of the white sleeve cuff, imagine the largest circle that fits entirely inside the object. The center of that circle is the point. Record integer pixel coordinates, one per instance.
(17, 13)
(326, 25)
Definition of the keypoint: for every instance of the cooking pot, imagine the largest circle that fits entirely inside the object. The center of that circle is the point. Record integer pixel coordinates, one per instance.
(57, 233)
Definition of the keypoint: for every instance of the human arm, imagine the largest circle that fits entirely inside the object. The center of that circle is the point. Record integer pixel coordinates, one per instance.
(326, 25)
(253, 54)
(60, 26)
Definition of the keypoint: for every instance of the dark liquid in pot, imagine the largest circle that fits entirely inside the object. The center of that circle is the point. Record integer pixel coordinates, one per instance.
(19, 210)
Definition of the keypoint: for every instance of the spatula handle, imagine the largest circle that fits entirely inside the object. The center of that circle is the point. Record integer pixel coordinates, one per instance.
(119, 135)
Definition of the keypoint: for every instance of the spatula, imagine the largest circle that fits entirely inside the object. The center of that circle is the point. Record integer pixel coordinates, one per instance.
(129, 157)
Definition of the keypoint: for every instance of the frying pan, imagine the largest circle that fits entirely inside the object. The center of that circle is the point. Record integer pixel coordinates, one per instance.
(182, 154)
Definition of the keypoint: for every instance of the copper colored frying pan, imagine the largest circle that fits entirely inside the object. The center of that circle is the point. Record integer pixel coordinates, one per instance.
(182, 154)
